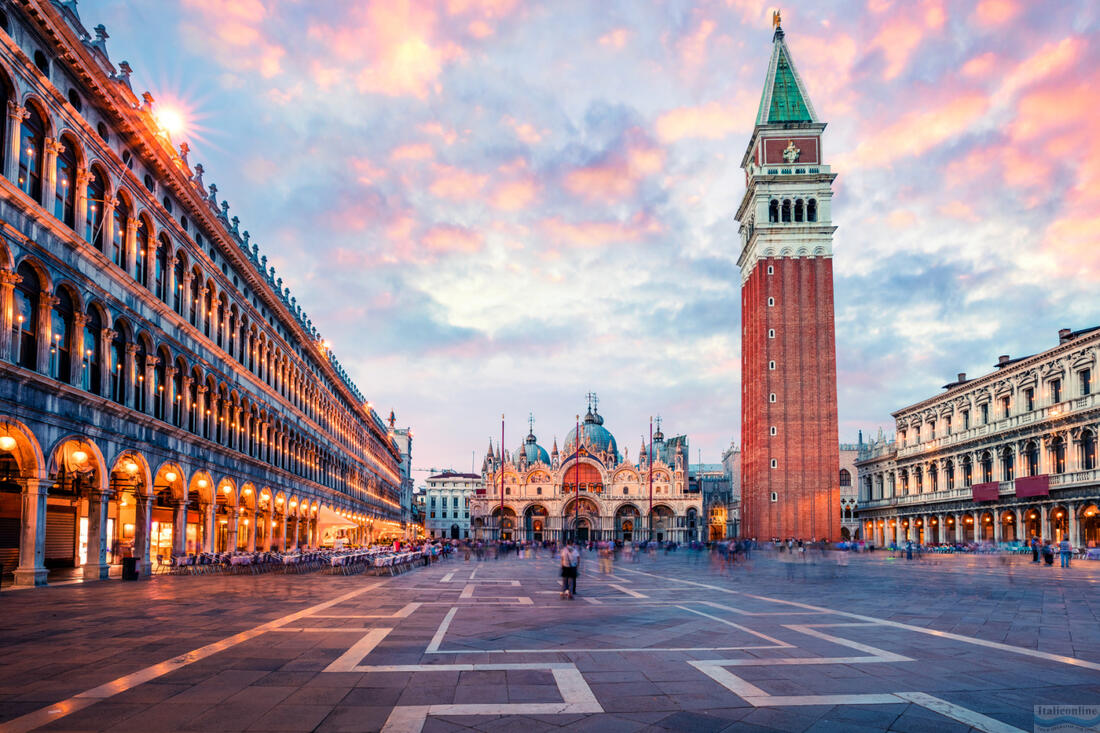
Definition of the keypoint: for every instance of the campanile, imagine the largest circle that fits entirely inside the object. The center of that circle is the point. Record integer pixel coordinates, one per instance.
(790, 462)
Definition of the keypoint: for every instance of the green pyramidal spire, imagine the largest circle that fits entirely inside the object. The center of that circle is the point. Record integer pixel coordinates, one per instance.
(784, 98)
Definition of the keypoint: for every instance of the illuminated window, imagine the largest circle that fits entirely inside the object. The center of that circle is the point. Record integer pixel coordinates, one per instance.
(771, 333)
(771, 301)
(774, 430)
(775, 463)
(771, 397)
(771, 365)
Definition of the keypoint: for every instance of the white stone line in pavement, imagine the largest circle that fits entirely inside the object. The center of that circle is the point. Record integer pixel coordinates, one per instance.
(965, 716)
(81, 700)
(407, 610)
(577, 697)
(589, 599)
(619, 650)
(466, 667)
(631, 593)
(467, 592)
(473, 573)
(290, 629)
(743, 612)
(447, 578)
(1073, 661)
(433, 645)
(778, 644)
(841, 641)
(349, 660)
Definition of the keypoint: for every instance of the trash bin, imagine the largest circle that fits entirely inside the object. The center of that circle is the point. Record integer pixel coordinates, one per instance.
(129, 568)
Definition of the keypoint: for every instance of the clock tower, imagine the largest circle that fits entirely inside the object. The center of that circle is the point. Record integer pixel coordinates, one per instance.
(790, 462)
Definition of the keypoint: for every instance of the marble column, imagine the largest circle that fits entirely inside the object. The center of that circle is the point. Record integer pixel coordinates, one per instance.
(282, 534)
(1074, 527)
(16, 115)
(252, 526)
(269, 540)
(231, 526)
(76, 351)
(45, 322)
(179, 528)
(209, 524)
(143, 529)
(8, 280)
(297, 531)
(32, 538)
(52, 149)
(96, 566)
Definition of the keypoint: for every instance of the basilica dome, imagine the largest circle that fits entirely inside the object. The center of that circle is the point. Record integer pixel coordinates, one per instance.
(533, 451)
(593, 435)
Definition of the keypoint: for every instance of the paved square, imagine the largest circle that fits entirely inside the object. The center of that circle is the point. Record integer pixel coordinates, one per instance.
(670, 643)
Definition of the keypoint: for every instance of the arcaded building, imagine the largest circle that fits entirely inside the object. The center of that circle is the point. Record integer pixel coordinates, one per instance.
(590, 490)
(998, 458)
(790, 461)
(161, 392)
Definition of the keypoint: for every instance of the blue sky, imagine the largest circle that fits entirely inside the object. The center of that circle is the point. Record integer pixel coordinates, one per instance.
(494, 206)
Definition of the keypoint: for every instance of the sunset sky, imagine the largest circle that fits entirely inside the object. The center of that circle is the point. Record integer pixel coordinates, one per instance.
(496, 206)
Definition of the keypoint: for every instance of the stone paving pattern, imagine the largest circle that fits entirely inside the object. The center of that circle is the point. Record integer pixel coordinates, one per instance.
(631, 636)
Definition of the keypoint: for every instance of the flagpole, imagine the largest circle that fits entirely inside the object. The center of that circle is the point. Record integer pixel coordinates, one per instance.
(500, 528)
(577, 477)
(650, 478)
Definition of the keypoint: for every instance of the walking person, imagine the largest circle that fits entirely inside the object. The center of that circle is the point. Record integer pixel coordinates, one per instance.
(1065, 551)
(1048, 553)
(1034, 549)
(570, 561)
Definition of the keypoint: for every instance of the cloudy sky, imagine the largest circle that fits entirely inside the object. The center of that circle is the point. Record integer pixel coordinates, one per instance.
(496, 206)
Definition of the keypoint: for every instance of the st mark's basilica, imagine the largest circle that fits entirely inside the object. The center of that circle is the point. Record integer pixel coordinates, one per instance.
(589, 490)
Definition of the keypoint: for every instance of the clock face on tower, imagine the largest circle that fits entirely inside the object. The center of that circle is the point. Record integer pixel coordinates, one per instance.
(791, 153)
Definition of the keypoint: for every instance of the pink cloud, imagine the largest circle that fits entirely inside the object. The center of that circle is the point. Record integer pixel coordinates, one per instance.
(917, 131)
(446, 238)
(366, 172)
(980, 66)
(456, 184)
(413, 151)
(903, 31)
(233, 32)
(995, 12)
(711, 121)
(958, 210)
(600, 233)
(693, 47)
(447, 135)
(617, 176)
(615, 39)
(514, 195)
(525, 131)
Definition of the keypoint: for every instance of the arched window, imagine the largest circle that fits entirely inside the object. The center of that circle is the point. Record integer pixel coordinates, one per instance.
(24, 323)
(786, 211)
(93, 357)
(219, 314)
(798, 210)
(8, 99)
(196, 285)
(987, 467)
(773, 211)
(211, 408)
(193, 403)
(1058, 454)
(32, 144)
(811, 210)
(61, 332)
(1032, 458)
(160, 268)
(177, 390)
(96, 194)
(845, 477)
(177, 293)
(949, 472)
(144, 242)
(968, 472)
(1008, 463)
(232, 335)
(160, 386)
(64, 206)
(141, 361)
(118, 236)
(117, 375)
(208, 309)
(1088, 450)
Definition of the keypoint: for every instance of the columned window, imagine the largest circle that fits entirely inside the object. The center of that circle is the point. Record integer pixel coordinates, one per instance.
(61, 332)
(118, 236)
(32, 145)
(24, 322)
(1058, 454)
(1088, 450)
(97, 195)
(64, 207)
(93, 357)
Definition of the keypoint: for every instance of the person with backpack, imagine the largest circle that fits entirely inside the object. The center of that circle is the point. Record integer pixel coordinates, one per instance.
(570, 561)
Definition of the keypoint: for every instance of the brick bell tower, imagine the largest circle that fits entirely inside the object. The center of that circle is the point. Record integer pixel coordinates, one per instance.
(790, 462)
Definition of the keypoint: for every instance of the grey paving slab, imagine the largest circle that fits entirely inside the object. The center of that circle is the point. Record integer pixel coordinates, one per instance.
(1004, 639)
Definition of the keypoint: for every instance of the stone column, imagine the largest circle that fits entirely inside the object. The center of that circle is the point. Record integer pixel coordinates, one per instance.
(231, 529)
(32, 538)
(8, 280)
(170, 279)
(109, 229)
(269, 540)
(200, 409)
(179, 528)
(76, 350)
(208, 526)
(1074, 528)
(282, 534)
(998, 533)
(185, 300)
(80, 213)
(184, 400)
(106, 336)
(252, 526)
(45, 306)
(96, 567)
(143, 528)
(49, 171)
(169, 387)
(16, 115)
(297, 531)
(130, 245)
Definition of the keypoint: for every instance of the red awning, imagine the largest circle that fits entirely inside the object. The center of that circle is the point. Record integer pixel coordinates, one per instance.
(1033, 486)
(989, 491)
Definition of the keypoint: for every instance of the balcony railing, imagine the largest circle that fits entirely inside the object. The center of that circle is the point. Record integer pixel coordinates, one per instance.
(1005, 488)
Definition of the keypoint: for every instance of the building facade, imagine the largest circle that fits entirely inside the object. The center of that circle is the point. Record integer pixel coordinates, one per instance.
(788, 355)
(403, 437)
(999, 458)
(850, 453)
(447, 504)
(588, 491)
(160, 390)
(714, 484)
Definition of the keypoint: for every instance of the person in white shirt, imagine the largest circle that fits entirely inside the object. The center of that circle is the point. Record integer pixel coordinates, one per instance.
(570, 561)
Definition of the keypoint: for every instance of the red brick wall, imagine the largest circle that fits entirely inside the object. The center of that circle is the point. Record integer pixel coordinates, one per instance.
(804, 381)
(774, 147)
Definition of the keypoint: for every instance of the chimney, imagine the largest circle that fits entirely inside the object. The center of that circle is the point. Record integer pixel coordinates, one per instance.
(1064, 335)
(962, 377)
(1002, 359)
